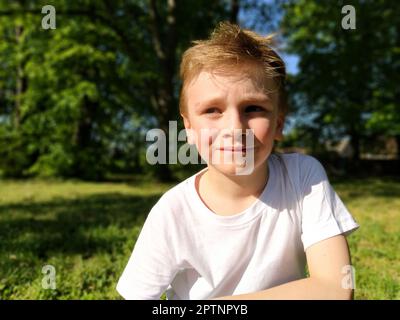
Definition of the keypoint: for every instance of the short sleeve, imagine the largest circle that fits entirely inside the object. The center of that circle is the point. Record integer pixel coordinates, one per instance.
(323, 213)
(152, 266)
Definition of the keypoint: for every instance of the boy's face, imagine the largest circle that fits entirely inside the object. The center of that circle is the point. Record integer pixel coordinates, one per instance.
(219, 110)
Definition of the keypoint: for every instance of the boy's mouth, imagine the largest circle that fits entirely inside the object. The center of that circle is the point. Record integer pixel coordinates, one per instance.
(237, 149)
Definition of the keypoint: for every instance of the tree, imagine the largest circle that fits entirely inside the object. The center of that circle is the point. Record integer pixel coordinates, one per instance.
(78, 87)
(346, 78)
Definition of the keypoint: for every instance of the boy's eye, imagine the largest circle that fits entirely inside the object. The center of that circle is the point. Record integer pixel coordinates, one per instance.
(254, 108)
(211, 110)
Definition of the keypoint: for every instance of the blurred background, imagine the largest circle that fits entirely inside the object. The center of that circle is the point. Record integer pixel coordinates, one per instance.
(77, 101)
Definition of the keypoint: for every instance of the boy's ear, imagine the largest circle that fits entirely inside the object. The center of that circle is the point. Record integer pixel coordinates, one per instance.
(280, 121)
(186, 123)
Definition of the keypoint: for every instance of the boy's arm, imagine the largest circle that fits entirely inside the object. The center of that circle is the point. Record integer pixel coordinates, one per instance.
(327, 260)
(152, 264)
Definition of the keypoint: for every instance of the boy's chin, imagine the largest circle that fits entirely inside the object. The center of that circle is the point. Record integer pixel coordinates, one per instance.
(234, 169)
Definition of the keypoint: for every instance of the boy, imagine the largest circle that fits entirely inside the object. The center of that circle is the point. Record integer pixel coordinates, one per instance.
(226, 235)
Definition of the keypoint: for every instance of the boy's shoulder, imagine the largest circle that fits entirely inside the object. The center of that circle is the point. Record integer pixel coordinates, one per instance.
(297, 160)
(177, 196)
(301, 168)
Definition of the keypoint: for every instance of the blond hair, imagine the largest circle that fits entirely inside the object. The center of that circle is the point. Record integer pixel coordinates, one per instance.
(230, 47)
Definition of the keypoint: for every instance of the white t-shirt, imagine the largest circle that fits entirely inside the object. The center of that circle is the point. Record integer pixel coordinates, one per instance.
(190, 252)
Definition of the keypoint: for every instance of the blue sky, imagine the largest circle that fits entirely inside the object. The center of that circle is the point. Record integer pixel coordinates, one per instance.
(291, 61)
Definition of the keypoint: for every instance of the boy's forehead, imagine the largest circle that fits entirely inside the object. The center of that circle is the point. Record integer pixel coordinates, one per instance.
(208, 83)
(211, 84)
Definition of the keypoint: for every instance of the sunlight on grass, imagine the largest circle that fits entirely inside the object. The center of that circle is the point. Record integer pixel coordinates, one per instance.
(375, 204)
(85, 230)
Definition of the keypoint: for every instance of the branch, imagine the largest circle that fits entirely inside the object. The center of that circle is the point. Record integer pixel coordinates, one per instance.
(155, 29)
(171, 29)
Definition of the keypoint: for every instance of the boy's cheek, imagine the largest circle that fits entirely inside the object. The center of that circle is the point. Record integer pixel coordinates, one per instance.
(264, 132)
(205, 134)
(204, 140)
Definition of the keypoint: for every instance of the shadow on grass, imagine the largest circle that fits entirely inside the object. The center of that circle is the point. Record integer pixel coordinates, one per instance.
(65, 226)
(379, 187)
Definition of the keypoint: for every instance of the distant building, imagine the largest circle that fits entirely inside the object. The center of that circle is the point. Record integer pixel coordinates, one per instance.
(379, 148)
(343, 148)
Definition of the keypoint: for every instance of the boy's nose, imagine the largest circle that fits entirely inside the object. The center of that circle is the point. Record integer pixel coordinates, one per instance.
(235, 124)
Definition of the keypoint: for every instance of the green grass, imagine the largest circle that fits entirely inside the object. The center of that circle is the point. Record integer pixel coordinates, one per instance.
(375, 204)
(87, 232)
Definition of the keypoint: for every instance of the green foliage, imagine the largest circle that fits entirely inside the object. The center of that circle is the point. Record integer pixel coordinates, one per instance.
(347, 79)
(73, 99)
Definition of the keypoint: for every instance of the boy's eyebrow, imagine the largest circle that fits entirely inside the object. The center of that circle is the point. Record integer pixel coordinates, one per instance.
(258, 98)
(246, 98)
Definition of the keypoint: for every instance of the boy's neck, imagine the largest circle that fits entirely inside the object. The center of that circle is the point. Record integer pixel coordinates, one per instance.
(236, 187)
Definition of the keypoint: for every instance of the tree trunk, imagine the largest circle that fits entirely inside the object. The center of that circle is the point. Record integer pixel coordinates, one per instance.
(19, 82)
(164, 102)
(83, 138)
(84, 127)
(397, 137)
(234, 11)
(354, 163)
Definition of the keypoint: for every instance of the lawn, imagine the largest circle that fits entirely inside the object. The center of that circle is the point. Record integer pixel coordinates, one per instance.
(87, 231)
